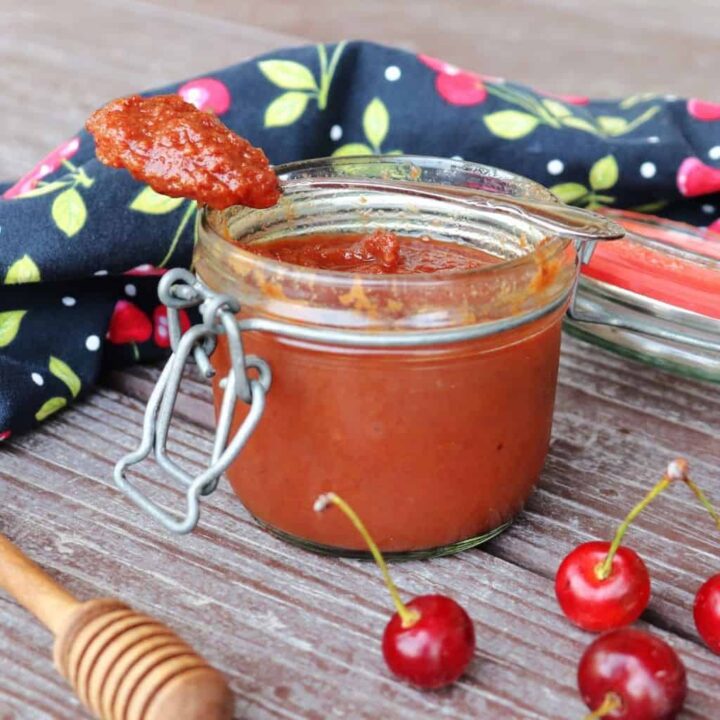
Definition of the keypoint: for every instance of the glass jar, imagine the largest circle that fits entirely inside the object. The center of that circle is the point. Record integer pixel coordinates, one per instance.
(654, 296)
(426, 400)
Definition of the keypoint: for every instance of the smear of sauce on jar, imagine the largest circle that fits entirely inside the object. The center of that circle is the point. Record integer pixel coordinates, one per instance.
(181, 151)
(381, 252)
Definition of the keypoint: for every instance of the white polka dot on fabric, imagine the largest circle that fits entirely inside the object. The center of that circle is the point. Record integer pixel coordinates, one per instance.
(653, 139)
(555, 167)
(648, 170)
(68, 301)
(336, 132)
(708, 209)
(392, 73)
(38, 379)
(714, 152)
(130, 290)
(92, 343)
(100, 272)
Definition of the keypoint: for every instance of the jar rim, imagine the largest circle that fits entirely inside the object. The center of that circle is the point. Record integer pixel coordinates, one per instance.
(310, 172)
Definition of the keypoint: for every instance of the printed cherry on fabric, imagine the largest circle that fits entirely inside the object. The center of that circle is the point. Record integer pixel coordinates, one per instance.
(129, 324)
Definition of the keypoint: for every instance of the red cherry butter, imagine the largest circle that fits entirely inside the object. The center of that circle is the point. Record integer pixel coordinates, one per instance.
(595, 603)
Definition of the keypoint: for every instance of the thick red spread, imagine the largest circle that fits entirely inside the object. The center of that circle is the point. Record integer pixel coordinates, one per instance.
(379, 252)
(182, 152)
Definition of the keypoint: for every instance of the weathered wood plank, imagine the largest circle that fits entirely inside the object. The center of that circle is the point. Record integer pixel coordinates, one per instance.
(279, 603)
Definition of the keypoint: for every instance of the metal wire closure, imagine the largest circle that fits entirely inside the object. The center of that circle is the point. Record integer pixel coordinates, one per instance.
(180, 289)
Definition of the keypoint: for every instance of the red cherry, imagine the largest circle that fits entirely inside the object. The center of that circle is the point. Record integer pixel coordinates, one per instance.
(161, 333)
(128, 324)
(702, 110)
(435, 650)
(5, 434)
(633, 676)
(51, 162)
(707, 612)
(695, 178)
(598, 604)
(461, 88)
(206, 94)
(456, 86)
(430, 640)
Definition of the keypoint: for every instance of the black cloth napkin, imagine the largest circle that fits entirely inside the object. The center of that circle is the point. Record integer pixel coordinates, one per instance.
(82, 245)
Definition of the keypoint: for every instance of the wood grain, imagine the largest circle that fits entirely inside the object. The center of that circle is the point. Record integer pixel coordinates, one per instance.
(298, 635)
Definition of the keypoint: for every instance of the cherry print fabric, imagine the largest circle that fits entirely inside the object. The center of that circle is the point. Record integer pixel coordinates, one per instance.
(82, 245)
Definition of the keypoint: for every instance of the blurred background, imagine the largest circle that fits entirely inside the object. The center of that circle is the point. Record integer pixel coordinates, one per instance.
(62, 59)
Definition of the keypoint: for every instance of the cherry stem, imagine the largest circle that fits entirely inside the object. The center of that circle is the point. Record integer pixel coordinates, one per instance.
(409, 617)
(679, 470)
(611, 703)
(604, 569)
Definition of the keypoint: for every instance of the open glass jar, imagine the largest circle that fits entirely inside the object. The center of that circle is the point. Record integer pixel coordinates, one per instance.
(424, 400)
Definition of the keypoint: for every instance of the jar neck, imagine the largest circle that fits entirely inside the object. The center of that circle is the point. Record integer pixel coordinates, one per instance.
(534, 274)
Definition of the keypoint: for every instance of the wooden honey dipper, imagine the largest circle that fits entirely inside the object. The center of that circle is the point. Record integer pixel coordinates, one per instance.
(122, 664)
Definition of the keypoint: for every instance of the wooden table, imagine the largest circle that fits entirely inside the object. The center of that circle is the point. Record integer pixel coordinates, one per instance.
(298, 634)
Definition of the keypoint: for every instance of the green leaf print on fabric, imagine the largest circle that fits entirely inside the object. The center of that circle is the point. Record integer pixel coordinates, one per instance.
(69, 212)
(288, 74)
(50, 407)
(22, 271)
(68, 209)
(44, 189)
(153, 203)
(569, 192)
(286, 109)
(612, 125)
(9, 325)
(578, 123)
(604, 174)
(556, 109)
(353, 149)
(63, 372)
(376, 122)
(376, 125)
(511, 124)
(301, 85)
(535, 110)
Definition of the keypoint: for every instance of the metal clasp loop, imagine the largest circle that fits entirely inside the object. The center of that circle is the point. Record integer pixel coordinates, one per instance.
(180, 289)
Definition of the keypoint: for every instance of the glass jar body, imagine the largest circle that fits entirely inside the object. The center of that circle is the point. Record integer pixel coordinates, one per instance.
(437, 445)
(437, 449)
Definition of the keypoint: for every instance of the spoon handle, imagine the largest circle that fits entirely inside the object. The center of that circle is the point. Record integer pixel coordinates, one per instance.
(33, 588)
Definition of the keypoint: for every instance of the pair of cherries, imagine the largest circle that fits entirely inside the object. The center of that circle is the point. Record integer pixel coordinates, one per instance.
(629, 674)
